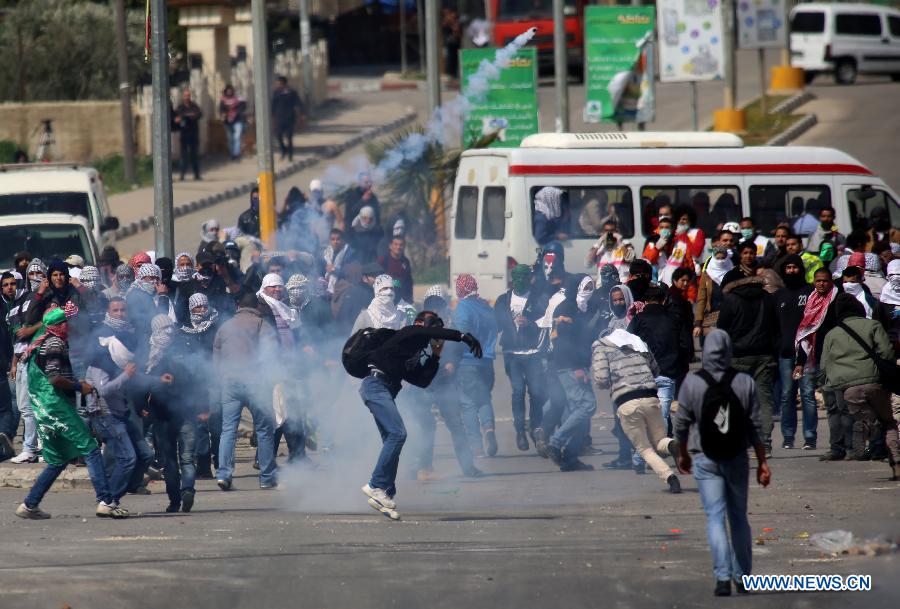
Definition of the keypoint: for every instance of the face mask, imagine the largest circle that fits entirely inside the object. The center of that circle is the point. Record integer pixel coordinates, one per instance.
(854, 289)
(681, 229)
(584, 295)
(827, 224)
(665, 233)
(618, 310)
(549, 264)
(746, 233)
(197, 318)
(895, 281)
(254, 204)
(35, 284)
(146, 286)
(183, 274)
(298, 297)
(385, 297)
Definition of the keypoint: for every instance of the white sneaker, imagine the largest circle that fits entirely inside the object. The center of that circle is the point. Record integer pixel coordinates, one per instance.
(379, 496)
(23, 511)
(105, 510)
(24, 457)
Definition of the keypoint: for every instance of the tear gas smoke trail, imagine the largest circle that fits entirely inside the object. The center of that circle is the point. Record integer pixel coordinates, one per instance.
(445, 119)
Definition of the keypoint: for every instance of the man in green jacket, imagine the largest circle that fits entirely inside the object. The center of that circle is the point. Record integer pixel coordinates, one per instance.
(848, 366)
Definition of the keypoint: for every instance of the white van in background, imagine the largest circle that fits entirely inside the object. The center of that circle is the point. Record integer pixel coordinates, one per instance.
(845, 39)
(630, 173)
(46, 236)
(58, 188)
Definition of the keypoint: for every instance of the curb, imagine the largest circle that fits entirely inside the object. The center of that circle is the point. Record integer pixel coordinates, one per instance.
(792, 103)
(794, 131)
(148, 222)
(24, 477)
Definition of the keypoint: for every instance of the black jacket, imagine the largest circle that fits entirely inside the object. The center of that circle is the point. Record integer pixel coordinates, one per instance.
(513, 338)
(248, 222)
(789, 306)
(661, 329)
(748, 315)
(400, 357)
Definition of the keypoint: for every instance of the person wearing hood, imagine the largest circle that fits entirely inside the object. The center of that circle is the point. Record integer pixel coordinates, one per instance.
(364, 235)
(184, 268)
(570, 362)
(142, 304)
(381, 312)
(517, 313)
(608, 277)
(624, 364)
(122, 280)
(849, 367)
(248, 221)
(313, 309)
(284, 319)
(548, 215)
(620, 302)
(723, 483)
(811, 262)
(874, 276)
(362, 195)
(790, 303)
(640, 274)
(748, 316)
(475, 375)
(709, 294)
(21, 261)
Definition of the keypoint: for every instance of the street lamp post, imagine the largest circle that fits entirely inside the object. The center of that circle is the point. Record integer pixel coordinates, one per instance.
(264, 161)
(163, 217)
(560, 67)
(432, 68)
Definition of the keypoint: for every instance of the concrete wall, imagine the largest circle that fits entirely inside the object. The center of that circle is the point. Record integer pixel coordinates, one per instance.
(82, 130)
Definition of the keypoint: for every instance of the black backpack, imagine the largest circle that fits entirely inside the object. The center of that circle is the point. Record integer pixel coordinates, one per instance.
(722, 419)
(359, 347)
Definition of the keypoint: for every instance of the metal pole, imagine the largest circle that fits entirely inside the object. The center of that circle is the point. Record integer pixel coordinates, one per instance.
(163, 217)
(305, 42)
(432, 69)
(124, 92)
(264, 161)
(763, 102)
(730, 72)
(560, 67)
(420, 27)
(402, 36)
(695, 118)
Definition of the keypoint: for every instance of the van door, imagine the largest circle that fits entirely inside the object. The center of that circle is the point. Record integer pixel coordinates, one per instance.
(464, 248)
(894, 43)
(860, 35)
(491, 243)
(808, 39)
(861, 201)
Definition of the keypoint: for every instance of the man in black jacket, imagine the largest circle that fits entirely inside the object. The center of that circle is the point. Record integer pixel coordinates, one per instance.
(248, 221)
(748, 316)
(286, 106)
(517, 313)
(402, 357)
(661, 329)
(790, 301)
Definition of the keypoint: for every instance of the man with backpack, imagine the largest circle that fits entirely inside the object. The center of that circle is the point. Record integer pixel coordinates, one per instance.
(383, 358)
(716, 422)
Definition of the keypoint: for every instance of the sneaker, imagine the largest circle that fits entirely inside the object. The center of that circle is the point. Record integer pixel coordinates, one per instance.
(187, 500)
(225, 485)
(576, 466)
(788, 444)
(490, 443)
(120, 513)
(105, 510)
(173, 508)
(427, 475)
(895, 470)
(154, 473)
(739, 586)
(521, 440)
(555, 455)
(831, 456)
(618, 464)
(674, 484)
(380, 497)
(268, 486)
(808, 446)
(640, 469)
(256, 464)
(473, 472)
(589, 450)
(24, 457)
(35, 513)
(6, 448)
(540, 442)
(723, 588)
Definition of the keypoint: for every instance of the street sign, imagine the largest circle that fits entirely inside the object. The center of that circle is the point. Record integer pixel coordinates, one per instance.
(762, 24)
(690, 40)
(510, 106)
(618, 87)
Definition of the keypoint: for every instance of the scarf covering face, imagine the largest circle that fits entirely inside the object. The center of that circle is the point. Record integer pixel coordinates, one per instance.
(609, 276)
(813, 316)
(856, 290)
(796, 280)
(298, 290)
(119, 353)
(35, 266)
(627, 295)
(364, 220)
(548, 201)
(183, 274)
(466, 286)
(209, 231)
(90, 277)
(284, 315)
(147, 270)
(520, 278)
(163, 331)
(52, 324)
(585, 291)
(716, 269)
(382, 310)
(890, 293)
(124, 278)
(114, 323)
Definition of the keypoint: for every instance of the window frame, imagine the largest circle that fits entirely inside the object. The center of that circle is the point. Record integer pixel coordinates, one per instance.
(758, 217)
(460, 196)
(573, 221)
(858, 19)
(485, 193)
(736, 187)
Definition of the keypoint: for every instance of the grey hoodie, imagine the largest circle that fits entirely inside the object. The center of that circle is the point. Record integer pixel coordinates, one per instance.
(716, 359)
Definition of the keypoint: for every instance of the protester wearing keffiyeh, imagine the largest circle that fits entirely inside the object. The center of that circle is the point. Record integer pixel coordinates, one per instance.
(813, 316)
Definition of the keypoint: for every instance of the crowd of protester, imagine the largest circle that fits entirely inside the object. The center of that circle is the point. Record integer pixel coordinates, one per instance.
(154, 359)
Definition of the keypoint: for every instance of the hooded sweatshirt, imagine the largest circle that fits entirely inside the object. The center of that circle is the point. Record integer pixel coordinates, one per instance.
(571, 343)
(716, 360)
(790, 302)
(627, 372)
(748, 315)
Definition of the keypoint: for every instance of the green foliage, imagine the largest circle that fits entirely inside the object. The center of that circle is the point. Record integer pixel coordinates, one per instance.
(112, 168)
(7, 151)
(65, 50)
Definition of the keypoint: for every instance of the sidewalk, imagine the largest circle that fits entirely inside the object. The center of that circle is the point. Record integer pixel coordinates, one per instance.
(340, 124)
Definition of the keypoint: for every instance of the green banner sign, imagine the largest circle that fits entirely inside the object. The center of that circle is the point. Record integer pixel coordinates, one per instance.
(510, 106)
(618, 87)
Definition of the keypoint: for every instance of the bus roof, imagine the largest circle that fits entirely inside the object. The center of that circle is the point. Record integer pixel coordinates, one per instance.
(640, 139)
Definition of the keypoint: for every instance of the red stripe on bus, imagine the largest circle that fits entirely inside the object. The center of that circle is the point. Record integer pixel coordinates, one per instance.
(773, 168)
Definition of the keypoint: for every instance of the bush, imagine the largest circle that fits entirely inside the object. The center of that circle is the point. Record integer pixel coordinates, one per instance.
(112, 168)
(8, 151)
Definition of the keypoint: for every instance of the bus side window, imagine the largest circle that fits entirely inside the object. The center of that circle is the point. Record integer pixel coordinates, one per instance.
(584, 209)
(796, 205)
(868, 205)
(713, 205)
(466, 212)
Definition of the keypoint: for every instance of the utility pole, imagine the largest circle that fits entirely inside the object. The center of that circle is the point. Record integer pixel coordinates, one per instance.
(125, 92)
(560, 67)
(264, 161)
(730, 73)
(432, 69)
(160, 126)
(402, 37)
(305, 42)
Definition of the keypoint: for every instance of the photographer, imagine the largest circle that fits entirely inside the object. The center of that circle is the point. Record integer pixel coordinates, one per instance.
(611, 248)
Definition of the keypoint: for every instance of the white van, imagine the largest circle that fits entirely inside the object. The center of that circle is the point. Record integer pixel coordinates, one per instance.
(46, 236)
(493, 197)
(846, 39)
(62, 188)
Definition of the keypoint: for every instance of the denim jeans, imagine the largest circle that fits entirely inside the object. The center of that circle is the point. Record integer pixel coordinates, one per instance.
(762, 369)
(665, 392)
(555, 405)
(9, 416)
(723, 487)
(526, 372)
(234, 395)
(580, 407)
(233, 131)
(143, 452)
(30, 435)
(177, 442)
(379, 399)
(17, 416)
(294, 433)
(94, 461)
(117, 445)
(840, 423)
(789, 403)
(475, 382)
